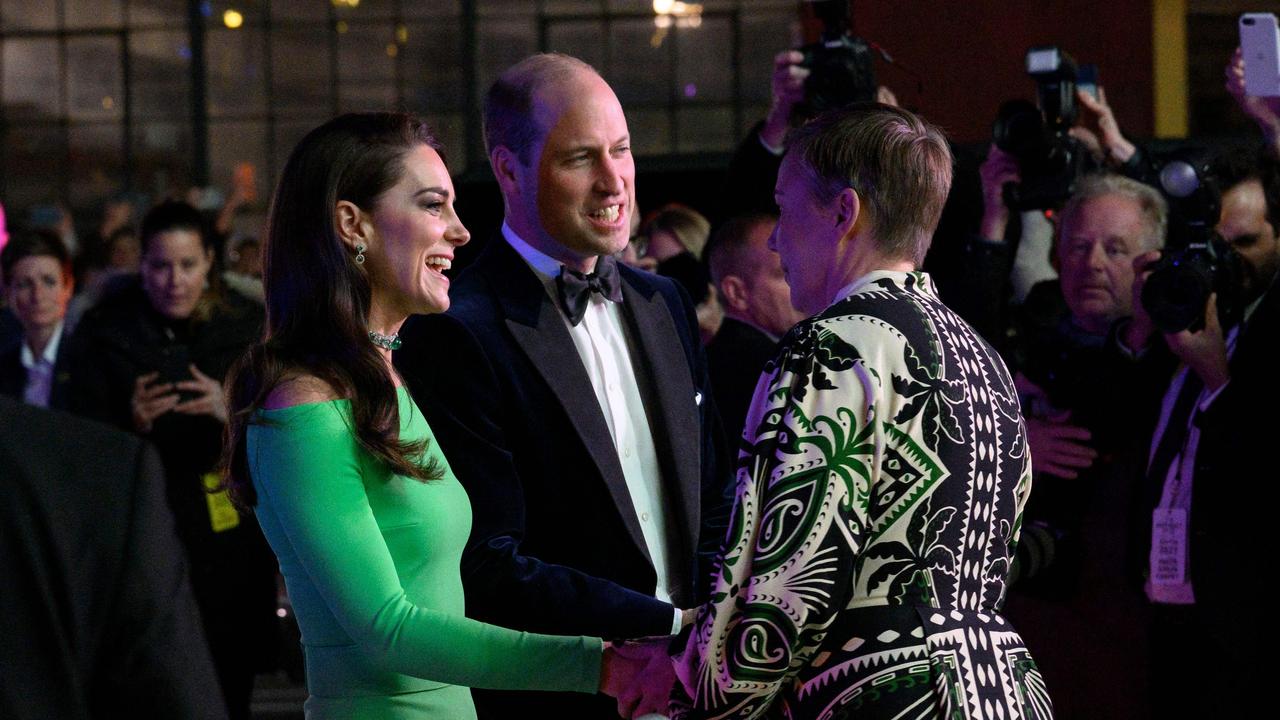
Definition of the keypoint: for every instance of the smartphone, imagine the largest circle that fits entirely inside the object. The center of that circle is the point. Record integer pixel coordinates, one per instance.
(1260, 46)
(1087, 79)
(175, 367)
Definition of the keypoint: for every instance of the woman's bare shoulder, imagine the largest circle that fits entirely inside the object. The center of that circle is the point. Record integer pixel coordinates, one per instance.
(299, 390)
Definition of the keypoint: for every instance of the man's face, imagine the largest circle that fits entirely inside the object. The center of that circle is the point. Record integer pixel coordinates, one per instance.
(1095, 252)
(804, 239)
(583, 175)
(767, 296)
(1244, 225)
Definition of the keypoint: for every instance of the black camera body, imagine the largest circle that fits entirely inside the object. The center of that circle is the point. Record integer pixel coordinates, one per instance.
(841, 66)
(1049, 159)
(1196, 261)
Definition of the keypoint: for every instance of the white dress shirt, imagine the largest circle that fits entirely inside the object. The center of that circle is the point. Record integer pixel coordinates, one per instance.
(40, 370)
(602, 345)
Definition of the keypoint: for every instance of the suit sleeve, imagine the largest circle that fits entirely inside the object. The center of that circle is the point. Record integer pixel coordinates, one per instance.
(796, 527)
(157, 663)
(459, 393)
(309, 475)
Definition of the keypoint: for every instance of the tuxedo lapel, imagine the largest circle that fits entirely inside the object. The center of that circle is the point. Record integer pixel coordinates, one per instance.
(539, 330)
(674, 417)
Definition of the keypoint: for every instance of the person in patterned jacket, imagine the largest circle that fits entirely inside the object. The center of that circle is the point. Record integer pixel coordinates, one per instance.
(883, 474)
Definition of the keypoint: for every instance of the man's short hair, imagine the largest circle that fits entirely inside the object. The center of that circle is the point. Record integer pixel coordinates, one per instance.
(726, 249)
(34, 243)
(1152, 205)
(1251, 163)
(899, 164)
(508, 106)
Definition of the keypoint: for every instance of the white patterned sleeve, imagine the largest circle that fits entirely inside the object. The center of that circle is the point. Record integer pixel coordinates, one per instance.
(796, 528)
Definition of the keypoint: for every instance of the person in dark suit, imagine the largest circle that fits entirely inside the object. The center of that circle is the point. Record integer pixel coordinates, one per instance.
(36, 274)
(569, 392)
(1210, 494)
(99, 617)
(757, 311)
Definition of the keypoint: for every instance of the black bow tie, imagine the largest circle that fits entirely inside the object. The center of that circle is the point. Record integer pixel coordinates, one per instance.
(575, 288)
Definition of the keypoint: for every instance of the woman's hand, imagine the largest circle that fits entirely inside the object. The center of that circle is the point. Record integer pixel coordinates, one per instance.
(150, 400)
(208, 398)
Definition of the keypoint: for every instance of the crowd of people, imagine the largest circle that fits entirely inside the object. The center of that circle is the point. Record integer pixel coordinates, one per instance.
(860, 449)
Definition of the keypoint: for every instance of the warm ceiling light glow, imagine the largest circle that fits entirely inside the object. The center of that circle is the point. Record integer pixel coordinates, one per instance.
(346, 3)
(108, 102)
(232, 19)
(392, 49)
(402, 34)
(662, 7)
(341, 26)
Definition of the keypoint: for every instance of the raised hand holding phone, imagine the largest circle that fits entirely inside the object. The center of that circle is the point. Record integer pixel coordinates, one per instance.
(1260, 43)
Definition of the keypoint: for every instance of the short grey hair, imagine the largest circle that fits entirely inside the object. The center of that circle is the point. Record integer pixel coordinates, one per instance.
(899, 164)
(1152, 205)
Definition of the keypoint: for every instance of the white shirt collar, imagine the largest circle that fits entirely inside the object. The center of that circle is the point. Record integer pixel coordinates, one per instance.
(50, 354)
(542, 263)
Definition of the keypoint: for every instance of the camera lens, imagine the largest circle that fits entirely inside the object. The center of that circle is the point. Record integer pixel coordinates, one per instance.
(1176, 292)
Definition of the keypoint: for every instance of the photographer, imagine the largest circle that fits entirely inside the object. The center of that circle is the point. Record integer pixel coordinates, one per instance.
(831, 72)
(1083, 397)
(1068, 134)
(1209, 490)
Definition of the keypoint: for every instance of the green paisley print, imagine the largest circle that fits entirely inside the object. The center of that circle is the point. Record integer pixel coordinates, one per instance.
(880, 487)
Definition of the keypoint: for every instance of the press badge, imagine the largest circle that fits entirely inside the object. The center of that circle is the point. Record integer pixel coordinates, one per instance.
(223, 515)
(1169, 546)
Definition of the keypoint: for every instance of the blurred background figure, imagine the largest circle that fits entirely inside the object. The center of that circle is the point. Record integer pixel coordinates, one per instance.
(674, 236)
(112, 264)
(100, 620)
(36, 273)
(757, 312)
(244, 267)
(151, 359)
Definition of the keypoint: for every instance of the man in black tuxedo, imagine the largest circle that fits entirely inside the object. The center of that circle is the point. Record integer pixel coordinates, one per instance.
(98, 613)
(569, 392)
(757, 311)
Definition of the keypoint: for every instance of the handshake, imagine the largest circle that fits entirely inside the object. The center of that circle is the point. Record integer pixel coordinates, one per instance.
(640, 675)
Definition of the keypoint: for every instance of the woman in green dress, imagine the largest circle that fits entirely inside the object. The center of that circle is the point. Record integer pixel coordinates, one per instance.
(359, 505)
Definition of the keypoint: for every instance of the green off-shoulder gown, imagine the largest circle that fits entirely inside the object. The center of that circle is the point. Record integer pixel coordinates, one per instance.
(371, 561)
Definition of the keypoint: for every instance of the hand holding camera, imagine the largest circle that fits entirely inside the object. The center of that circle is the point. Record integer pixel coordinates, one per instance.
(1097, 127)
(788, 92)
(999, 169)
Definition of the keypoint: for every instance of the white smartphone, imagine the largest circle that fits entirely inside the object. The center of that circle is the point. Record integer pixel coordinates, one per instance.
(1260, 45)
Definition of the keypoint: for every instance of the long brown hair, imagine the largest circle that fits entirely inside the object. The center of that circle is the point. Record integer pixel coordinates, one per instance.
(317, 296)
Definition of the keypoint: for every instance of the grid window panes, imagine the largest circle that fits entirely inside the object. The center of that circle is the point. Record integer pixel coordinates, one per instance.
(96, 96)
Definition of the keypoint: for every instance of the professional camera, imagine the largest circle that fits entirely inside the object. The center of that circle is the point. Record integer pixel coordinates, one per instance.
(840, 65)
(1196, 260)
(1049, 160)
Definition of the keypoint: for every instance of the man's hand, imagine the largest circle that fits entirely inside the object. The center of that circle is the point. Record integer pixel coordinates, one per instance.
(208, 400)
(1265, 111)
(788, 91)
(150, 400)
(996, 171)
(640, 675)
(1205, 350)
(1058, 448)
(1099, 123)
